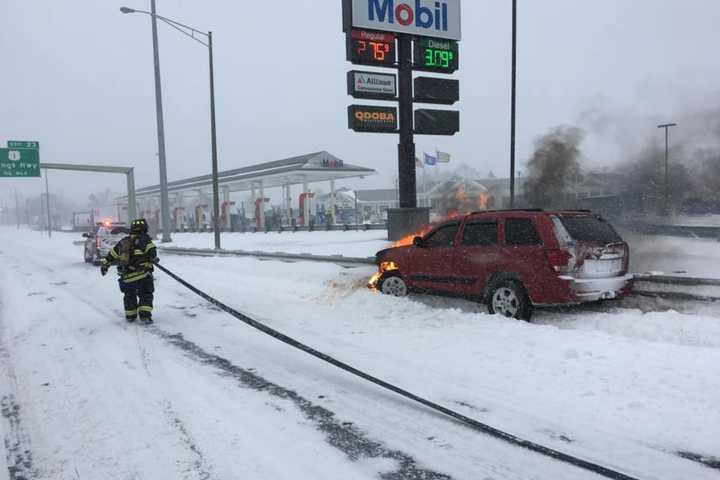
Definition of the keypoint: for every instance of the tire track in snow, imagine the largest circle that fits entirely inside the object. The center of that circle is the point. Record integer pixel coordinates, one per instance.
(198, 468)
(16, 442)
(338, 434)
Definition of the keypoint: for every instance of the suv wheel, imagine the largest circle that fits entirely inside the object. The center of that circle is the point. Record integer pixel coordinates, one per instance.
(509, 299)
(393, 285)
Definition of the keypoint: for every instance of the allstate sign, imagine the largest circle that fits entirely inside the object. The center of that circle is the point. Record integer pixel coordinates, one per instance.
(429, 18)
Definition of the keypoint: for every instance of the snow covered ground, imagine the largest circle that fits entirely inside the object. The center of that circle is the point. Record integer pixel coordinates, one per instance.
(698, 257)
(201, 395)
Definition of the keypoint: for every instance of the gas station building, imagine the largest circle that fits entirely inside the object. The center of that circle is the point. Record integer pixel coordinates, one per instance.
(191, 198)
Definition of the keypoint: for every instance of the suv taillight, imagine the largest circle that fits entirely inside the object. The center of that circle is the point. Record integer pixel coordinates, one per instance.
(558, 259)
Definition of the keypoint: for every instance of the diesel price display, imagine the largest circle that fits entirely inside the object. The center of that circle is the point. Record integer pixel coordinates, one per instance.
(371, 48)
(436, 55)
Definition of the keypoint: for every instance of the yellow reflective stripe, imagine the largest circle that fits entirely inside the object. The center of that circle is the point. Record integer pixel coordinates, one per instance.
(146, 264)
(145, 308)
(131, 312)
(149, 246)
(114, 253)
(135, 277)
(138, 252)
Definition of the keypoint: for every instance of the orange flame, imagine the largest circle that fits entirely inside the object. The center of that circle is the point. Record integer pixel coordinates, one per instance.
(408, 240)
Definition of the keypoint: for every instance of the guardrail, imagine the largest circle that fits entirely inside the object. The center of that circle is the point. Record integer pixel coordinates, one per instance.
(208, 252)
(691, 231)
(645, 284)
(675, 287)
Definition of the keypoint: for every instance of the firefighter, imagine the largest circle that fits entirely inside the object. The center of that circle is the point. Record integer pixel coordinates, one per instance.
(135, 256)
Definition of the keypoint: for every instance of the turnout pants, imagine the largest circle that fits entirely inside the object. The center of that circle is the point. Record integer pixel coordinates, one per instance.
(138, 298)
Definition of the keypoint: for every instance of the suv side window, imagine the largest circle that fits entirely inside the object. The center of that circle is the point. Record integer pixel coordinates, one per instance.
(443, 236)
(521, 232)
(480, 233)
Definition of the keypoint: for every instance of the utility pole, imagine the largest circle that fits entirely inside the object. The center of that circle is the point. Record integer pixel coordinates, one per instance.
(17, 209)
(667, 126)
(47, 204)
(513, 104)
(164, 200)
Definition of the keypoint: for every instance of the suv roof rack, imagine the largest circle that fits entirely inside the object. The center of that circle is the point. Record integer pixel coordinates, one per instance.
(509, 210)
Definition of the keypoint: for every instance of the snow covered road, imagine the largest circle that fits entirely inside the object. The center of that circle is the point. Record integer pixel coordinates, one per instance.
(201, 395)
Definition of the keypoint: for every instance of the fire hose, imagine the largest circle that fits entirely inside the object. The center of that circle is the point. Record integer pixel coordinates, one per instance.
(474, 424)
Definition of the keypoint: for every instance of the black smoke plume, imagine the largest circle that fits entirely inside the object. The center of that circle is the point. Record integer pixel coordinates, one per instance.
(554, 167)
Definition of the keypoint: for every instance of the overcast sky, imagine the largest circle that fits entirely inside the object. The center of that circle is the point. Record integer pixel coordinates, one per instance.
(77, 75)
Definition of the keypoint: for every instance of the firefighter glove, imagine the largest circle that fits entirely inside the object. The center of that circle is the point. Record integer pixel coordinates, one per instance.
(156, 261)
(104, 270)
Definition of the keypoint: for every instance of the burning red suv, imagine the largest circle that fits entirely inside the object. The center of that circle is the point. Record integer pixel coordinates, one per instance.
(512, 260)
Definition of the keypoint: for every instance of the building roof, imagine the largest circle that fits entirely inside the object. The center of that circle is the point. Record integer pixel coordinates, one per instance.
(310, 168)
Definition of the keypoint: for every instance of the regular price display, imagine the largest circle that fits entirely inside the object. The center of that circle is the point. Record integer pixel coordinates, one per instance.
(435, 55)
(371, 48)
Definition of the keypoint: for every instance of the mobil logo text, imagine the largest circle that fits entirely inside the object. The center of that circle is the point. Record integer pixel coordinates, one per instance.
(432, 18)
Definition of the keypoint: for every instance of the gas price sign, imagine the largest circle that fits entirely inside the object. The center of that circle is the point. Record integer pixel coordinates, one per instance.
(371, 48)
(436, 55)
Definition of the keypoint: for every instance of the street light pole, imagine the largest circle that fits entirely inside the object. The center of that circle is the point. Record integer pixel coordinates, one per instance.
(667, 126)
(164, 200)
(213, 133)
(190, 32)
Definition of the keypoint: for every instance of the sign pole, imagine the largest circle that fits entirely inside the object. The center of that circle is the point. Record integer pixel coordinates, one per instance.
(406, 148)
(47, 203)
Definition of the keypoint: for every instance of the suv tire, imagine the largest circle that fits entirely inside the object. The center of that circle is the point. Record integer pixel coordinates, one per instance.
(393, 285)
(509, 298)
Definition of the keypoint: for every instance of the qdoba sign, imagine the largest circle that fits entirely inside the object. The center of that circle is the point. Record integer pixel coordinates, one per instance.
(429, 18)
(365, 118)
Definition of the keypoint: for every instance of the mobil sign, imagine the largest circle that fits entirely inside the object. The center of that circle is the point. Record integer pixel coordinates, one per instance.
(428, 18)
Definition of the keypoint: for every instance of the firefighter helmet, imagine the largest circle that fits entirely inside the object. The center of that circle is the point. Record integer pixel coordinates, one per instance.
(138, 226)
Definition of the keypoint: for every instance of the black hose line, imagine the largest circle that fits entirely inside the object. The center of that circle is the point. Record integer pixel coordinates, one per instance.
(476, 425)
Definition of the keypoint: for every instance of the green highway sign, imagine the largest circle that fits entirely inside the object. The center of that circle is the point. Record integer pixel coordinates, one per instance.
(19, 162)
(23, 144)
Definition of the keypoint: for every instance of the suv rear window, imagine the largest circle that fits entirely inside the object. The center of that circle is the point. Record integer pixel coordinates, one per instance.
(590, 229)
(521, 231)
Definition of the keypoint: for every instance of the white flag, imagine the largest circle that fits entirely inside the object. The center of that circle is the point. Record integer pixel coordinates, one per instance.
(443, 157)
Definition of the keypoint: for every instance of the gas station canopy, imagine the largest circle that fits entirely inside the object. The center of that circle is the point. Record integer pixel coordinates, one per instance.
(302, 170)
